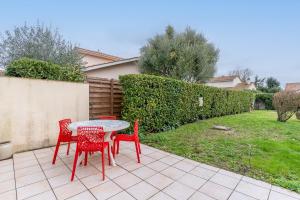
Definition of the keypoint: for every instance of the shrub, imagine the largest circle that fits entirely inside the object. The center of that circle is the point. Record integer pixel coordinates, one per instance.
(37, 69)
(286, 104)
(298, 115)
(266, 99)
(164, 103)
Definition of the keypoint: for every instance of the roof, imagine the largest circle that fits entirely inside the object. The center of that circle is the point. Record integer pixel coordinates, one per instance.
(292, 87)
(222, 79)
(97, 54)
(242, 86)
(110, 64)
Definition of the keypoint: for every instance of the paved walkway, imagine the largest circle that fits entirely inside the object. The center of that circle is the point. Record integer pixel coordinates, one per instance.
(160, 175)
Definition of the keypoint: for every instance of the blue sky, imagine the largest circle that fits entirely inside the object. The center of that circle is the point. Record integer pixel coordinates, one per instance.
(261, 35)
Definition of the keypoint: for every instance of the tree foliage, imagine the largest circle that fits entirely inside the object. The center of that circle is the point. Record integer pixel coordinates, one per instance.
(37, 42)
(269, 85)
(243, 74)
(187, 56)
(286, 103)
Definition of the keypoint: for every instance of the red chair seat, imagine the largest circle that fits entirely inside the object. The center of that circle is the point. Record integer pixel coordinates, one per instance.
(125, 137)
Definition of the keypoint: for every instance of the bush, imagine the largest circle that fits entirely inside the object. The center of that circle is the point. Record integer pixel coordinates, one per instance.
(265, 99)
(286, 104)
(164, 103)
(37, 69)
(298, 115)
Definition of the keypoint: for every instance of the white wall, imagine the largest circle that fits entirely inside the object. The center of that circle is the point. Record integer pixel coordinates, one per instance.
(30, 110)
(227, 84)
(114, 72)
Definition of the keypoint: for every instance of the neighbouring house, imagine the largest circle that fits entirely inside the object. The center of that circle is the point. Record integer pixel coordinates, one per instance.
(230, 82)
(292, 87)
(101, 65)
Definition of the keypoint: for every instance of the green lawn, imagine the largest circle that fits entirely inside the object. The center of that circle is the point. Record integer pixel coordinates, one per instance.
(258, 146)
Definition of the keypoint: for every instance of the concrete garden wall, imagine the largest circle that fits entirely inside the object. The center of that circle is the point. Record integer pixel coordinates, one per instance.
(30, 110)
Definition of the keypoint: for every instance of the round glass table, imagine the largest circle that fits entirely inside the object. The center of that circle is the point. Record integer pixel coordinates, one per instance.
(108, 127)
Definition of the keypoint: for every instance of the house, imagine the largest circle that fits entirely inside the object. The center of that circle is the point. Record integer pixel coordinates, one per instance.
(230, 82)
(292, 87)
(102, 65)
(1, 71)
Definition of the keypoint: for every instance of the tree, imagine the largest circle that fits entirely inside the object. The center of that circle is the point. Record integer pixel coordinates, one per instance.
(272, 83)
(259, 82)
(38, 42)
(186, 56)
(243, 74)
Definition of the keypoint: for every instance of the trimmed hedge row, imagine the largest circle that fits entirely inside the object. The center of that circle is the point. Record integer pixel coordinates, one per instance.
(266, 99)
(38, 69)
(164, 103)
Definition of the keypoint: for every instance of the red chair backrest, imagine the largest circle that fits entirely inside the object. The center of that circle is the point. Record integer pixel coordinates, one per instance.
(89, 135)
(107, 117)
(136, 128)
(64, 132)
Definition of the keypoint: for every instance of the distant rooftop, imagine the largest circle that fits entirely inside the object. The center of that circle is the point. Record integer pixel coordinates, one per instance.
(292, 87)
(98, 54)
(222, 79)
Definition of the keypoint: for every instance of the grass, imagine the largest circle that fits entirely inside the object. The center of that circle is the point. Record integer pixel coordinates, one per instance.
(258, 146)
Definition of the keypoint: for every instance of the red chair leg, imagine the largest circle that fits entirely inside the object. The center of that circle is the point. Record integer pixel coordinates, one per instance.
(137, 151)
(108, 151)
(103, 165)
(56, 151)
(139, 147)
(74, 164)
(68, 148)
(114, 148)
(118, 146)
(85, 158)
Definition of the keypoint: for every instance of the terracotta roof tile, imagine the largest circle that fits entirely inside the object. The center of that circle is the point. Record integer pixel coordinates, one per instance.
(222, 79)
(292, 87)
(98, 54)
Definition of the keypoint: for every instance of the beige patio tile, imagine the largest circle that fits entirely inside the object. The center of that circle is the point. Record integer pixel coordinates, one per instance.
(115, 172)
(5, 176)
(144, 172)
(122, 196)
(93, 180)
(203, 173)
(6, 168)
(69, 190)
(28, 170)
(240, 196)
(29, 179)
(200, 196)
(83, 196)
(146, 150)
(278, 196)
(212, 168)
(57, 171)
(46, 159)
(84, 171)
(60, 180)
(121, 159)
(127, 180)
(257, 182)
(21, 159)
(41, 155)
(33, 189)
(132, 165)
(184, 166)
(161, 196)
(231, 174)
(23, 154)
(169, 160)
(216, 191)
(142, 190)
(179, 191)
(177, 157)
(146, 160)
(49, 165)
(173, 173)
(6, 162)
(159, 181)
(10, 195)
(224, 180)
(192, 181)
(106, 190)
(157, 166)
(285, 191)
(157, 155)
(49, 195)
(7, 185)
(253, 190)
(25, 164)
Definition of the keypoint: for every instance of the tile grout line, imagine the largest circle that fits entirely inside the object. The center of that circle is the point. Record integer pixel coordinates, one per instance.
(44, 175)
(15, 178)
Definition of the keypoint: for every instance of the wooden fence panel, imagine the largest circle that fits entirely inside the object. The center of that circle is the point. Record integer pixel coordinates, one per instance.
(105, 97)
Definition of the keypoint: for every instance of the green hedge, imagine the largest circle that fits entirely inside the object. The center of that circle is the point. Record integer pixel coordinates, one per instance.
(164, 103)
(266, 99)
(38, 69)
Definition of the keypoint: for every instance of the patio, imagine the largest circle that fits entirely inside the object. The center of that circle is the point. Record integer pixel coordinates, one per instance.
(30, 175)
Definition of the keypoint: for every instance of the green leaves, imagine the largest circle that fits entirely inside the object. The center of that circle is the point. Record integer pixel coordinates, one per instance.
(164, 103)
(31, 68)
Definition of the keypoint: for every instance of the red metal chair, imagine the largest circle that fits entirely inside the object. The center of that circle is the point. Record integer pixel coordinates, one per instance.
(109, 117)
(90, 139)
(65, 135)
(129, 138)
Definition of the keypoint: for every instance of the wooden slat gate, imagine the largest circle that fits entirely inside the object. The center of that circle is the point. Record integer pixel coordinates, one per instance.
(105, 97)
